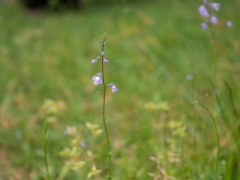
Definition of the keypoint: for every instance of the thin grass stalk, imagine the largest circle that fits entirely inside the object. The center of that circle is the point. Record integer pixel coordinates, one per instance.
(46, 150)
(217, 135)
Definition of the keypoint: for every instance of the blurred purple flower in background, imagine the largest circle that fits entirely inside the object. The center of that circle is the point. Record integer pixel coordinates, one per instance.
(66, 131)
(229, 23)
(205, 1)
(189, 77)
(213, 20)
(105, 61)
(215, 6)
(82, 144)
(204, 26)
(217, 92)
(94, 61)
(203, 11)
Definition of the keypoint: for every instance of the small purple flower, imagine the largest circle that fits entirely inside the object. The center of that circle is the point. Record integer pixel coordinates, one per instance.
(113, 87)
(229, 23)
(97, 79)
(217, 92)
(105, 61)
(83, 144)
(203, 11)
(204, 26)
(215, 6)
(205, 1)
(189, 77)
(213, 20)
(66, 131)
(94, 61)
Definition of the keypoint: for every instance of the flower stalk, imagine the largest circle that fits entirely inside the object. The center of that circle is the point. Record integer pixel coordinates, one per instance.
(100, 79)
(103, 42)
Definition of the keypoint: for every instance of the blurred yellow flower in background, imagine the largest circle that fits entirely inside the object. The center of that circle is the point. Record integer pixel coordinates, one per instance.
(157, 106)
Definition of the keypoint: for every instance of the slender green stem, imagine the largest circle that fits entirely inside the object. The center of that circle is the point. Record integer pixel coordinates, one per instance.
(230, 93)
(212, 39)
(45, 150)
(103, 110)
(63, 173)
(216, 131)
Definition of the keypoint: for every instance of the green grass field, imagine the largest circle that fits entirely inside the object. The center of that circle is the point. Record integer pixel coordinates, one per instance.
(155, 132)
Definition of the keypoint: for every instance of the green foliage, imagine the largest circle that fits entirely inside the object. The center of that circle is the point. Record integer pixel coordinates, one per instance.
(154, 130)
(108, 2)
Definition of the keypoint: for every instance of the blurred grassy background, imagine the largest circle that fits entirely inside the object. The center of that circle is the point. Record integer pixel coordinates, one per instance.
(152, 46)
